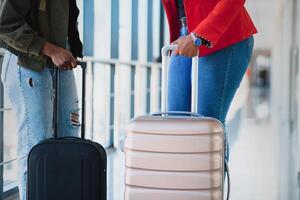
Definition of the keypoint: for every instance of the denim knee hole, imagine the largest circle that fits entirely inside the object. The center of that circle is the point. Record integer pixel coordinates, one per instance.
(75, 118)
(30, 82)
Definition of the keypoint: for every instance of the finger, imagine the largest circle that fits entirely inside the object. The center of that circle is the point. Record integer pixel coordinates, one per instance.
(74, 63)
(176, 52)
(186, 53)
(69, 65)
(180, 52)
(190, 55)
(194, 53)
(65, 65)
(62, 67)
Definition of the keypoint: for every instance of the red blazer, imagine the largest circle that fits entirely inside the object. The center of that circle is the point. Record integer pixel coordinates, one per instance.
(222, 22)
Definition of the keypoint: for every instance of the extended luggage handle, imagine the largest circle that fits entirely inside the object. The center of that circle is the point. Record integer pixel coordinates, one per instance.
(83, 99)
(165, 64)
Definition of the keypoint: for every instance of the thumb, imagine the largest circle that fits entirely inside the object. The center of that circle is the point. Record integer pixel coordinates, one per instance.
(176, 42)
(73, 62)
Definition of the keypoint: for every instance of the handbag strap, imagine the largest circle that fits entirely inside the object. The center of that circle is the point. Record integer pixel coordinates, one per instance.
(180, 7)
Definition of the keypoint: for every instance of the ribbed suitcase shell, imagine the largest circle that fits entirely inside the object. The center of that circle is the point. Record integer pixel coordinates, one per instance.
(137, 193)
(174, 158)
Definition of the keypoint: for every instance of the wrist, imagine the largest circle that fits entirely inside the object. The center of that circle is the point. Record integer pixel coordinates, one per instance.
(204, 41)
(48, 49)
(196, 40)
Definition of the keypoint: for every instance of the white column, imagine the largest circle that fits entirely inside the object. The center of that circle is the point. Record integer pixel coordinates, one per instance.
(166, 31)
(155, 89)
(298, 92)
(122, 89)
(156, 26)
(102, 38)
(140, 79)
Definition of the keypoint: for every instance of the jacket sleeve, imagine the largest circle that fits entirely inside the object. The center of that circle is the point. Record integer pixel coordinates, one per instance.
(219, 20)
(15, 31)
(73, 33)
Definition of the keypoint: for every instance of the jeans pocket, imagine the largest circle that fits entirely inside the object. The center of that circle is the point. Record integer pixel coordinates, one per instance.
(5, 65)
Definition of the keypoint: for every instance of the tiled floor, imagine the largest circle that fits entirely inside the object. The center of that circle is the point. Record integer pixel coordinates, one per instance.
(116, 177)
(253, 165)
(254, 156)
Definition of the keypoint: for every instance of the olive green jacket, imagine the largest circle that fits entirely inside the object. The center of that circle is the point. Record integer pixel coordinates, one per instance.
(25, 26)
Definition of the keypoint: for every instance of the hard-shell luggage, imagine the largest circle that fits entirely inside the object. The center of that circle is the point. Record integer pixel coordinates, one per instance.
(67, 168)
(175, 155)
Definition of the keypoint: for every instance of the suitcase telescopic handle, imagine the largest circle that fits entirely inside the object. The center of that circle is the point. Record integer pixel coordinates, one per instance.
(166, 50)
(83, 99)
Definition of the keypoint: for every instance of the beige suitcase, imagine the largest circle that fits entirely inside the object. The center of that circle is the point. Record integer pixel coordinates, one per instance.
(175, 157)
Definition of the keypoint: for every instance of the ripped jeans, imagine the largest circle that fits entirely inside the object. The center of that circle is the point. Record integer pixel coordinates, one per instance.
(32, 96)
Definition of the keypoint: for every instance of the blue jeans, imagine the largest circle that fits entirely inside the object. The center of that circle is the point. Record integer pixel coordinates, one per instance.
(32, 96)
(220, 75)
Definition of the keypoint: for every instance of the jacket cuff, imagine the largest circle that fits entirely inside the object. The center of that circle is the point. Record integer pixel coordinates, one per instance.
(205, 42)
(36, 46)
(208, 33)
(208, 41)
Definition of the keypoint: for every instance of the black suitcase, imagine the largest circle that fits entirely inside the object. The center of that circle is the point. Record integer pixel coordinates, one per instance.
(67, 168)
